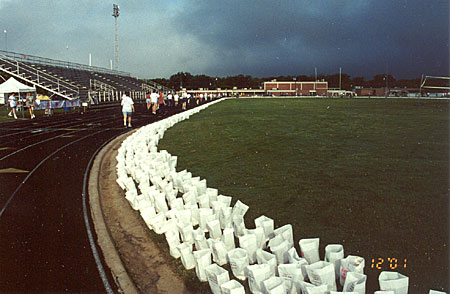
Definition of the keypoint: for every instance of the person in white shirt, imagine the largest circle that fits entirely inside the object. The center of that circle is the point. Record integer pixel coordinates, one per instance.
(175, 98)
(154, 101)
(13, 104)
(127, 109)
(169, 99)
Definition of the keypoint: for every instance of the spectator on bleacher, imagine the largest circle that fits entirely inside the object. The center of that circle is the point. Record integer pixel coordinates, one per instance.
(13, 104)
(30, 104)
(127, 109)
(154, 101)
(148, 101)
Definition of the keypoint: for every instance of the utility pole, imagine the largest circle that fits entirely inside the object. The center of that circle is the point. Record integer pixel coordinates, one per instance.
(116, 47)
(340, 73)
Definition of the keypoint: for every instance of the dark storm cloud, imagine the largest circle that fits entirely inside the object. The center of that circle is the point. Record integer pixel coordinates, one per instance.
(364, 37)
(258, 37)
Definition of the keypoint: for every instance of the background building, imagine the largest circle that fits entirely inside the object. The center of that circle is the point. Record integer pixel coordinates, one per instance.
(296, 88)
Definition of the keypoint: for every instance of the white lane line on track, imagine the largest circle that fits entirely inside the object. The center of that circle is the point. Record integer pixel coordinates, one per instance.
(86, 219)
(98, 261)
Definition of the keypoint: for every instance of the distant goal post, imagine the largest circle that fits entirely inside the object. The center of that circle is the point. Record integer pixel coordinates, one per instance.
(435, 82)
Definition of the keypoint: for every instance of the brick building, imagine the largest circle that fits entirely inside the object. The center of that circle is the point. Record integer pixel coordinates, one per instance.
(294, 88)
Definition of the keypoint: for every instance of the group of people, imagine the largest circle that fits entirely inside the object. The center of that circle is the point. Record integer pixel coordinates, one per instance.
(156, 101)
(29, 103)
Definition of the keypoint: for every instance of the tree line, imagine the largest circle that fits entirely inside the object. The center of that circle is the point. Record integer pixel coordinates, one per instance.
(189, 81)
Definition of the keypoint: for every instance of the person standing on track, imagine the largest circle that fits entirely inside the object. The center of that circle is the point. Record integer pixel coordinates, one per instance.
(13, 104)
(154, 101)
(30, 104)
(175, 99)
(127, 109)
(148, 101)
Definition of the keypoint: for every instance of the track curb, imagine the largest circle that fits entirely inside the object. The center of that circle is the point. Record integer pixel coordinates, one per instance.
(104, 239)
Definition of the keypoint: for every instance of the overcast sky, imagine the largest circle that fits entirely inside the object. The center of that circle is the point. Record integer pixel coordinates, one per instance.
(157, 38)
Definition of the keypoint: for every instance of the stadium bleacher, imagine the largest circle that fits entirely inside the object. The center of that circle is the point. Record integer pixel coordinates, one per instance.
(69, 80)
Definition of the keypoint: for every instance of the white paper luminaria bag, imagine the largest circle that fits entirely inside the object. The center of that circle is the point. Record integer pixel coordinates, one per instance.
(334, 253)
(393, 281)
(216, 276)
(322, 273)
(187, 258)
(256, 274)
(232, 287)
(351, 263)
(267, 224)
(274, 285)
(238, 259)
(355, 282)
(202, 261)
(309, 249)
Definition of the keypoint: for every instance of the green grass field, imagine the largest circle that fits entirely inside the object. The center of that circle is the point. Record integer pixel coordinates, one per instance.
(369, 174)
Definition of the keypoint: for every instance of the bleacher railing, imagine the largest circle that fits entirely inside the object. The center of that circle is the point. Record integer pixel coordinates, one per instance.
(37, 77)
(54, 62)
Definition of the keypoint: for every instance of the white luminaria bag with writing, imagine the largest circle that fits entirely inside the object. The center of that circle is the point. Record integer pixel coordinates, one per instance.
(267, 224)
(187, 258)
(334, 253)
(274, 285)
(232, 287)
(436, 292)
(202, 260)
(309, 249)
(228, 238)
(322, 273)
(287, 234)
(355, 282)
(248, 242)
(393, 281)
(351, 263)
(264, 257)
(256, 274)
(294, 258)
(218, 250)
(216, 276)
(238, 261)
(289, 272)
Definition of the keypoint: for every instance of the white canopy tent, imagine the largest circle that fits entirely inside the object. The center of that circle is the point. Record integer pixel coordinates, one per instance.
(13, 86)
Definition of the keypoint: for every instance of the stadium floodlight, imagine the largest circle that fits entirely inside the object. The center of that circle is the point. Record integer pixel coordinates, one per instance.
(116, 43)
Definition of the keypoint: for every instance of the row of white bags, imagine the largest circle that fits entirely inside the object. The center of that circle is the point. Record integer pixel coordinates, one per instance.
(185, 221)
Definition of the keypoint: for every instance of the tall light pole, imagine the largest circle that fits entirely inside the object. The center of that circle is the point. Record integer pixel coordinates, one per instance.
(67, 54)
(6, 39)
(116, 47)
(340, 74)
